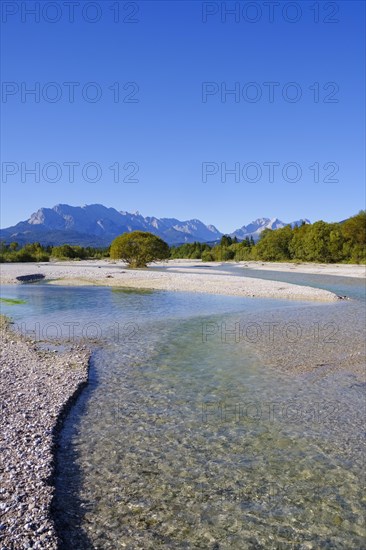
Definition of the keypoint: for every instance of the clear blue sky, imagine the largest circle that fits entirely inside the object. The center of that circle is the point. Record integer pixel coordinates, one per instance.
(169, 52)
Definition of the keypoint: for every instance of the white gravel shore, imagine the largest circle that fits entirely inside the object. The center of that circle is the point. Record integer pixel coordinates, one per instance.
(204, 279)
(342, 270)
(37, 387)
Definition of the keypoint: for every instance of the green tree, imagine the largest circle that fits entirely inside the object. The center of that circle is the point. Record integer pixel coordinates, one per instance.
(274, 244)
(222, 253)
(226, 240)
(23, 255)
(196, 251)
(354, 229)
(336, 242)
(67, 251)
(63, 251)
(317, 241)
(297, 244)
(354, 233)
(242, 251)
(13, 246)
(207, 256)
(139, 248)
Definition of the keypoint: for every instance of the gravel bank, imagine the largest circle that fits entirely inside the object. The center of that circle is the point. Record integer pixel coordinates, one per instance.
(37, 387)
(340, 270)
(115, 274)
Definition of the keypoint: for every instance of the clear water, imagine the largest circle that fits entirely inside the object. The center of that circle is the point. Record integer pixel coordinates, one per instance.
(187, 438)
(349, 286)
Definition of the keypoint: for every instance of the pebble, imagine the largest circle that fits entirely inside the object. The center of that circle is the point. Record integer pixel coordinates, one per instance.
(35, 386)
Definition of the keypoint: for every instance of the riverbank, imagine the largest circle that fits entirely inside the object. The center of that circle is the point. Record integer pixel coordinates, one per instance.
(320, 346)
(37, 388)
(172, 276)
(340, 270)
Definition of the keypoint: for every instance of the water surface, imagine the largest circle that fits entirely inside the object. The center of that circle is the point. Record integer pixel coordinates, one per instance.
(187, 438)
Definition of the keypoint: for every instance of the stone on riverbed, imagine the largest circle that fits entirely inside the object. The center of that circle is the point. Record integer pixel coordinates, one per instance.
(30, 278)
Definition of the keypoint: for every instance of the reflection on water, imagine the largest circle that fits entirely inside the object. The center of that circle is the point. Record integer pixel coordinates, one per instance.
(185, 439)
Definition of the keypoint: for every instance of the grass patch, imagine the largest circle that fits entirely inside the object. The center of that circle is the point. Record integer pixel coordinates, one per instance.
(132, 290)
(12, 301)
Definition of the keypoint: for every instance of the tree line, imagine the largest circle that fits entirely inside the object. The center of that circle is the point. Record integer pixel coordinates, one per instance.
(318, 242)
(35, 252)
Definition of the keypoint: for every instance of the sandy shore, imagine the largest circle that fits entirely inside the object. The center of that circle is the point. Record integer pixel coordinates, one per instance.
(37, 387)
(176, 276)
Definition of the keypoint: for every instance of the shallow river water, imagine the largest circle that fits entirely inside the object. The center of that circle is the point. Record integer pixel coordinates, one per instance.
(186, 438)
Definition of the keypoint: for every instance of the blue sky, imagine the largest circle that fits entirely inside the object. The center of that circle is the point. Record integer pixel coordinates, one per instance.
(175, 122)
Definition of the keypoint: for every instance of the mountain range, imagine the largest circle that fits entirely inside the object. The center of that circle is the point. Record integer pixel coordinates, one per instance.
(97, 225)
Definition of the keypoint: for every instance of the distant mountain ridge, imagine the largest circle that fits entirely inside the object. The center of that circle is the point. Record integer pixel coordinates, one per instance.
(255, 228)
(97, 225)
